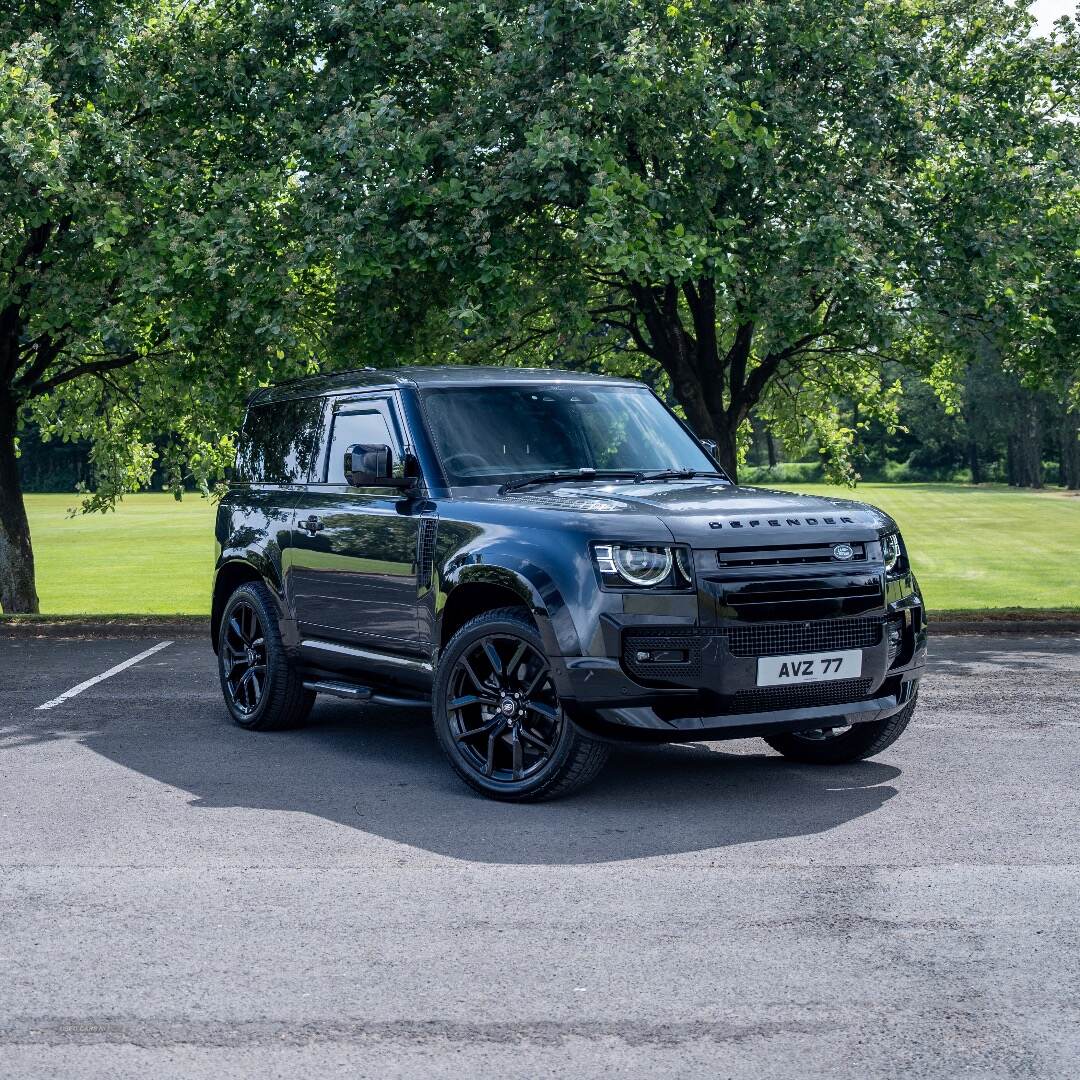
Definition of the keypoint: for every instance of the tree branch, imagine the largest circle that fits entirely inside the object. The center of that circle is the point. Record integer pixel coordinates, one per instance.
(123, 360)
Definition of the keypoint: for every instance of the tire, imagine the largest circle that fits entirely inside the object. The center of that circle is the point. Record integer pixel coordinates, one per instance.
(534, 754)
(263, 690)
(856, 743)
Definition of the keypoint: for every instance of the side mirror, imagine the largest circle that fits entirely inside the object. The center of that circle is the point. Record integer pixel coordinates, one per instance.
(373, 466)
(712, 446)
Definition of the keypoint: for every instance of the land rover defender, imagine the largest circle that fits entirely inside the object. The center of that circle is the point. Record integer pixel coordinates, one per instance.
(551, 562)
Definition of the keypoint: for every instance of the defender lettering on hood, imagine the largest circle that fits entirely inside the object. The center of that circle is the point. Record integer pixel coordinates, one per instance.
(777, 523)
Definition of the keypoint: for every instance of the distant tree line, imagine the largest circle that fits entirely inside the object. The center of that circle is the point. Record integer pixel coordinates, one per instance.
(999, 432)
(1002, 432)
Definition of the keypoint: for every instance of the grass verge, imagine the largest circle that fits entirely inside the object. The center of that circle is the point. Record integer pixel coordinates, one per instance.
(975, 550)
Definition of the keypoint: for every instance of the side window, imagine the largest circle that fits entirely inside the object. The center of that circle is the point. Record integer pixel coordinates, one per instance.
(357, 422)
(278, 440)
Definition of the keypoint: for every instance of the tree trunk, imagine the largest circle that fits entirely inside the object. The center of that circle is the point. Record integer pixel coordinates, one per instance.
(1025, 443)
(18, 596)
(1070, 451)
(975, 462)
(694, 364)
(727, 442)
(770, 446)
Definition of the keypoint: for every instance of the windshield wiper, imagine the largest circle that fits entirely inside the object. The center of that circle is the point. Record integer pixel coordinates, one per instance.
(572, 474)
(681, 474)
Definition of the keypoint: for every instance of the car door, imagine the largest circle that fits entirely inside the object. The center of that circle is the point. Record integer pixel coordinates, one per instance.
(353, 561)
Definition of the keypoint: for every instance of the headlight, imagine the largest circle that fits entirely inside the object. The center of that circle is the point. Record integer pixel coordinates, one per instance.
(643, 566)
(890, 551)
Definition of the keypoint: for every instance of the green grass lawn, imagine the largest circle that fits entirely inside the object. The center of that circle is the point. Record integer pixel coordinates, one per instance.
(983, 547)
(988, 547)
(153, 556)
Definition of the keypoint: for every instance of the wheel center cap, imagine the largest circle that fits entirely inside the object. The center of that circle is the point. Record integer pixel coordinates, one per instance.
(508, 707)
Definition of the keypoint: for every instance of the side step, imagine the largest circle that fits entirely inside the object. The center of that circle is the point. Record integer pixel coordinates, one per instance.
(340, 689)
(354, 692)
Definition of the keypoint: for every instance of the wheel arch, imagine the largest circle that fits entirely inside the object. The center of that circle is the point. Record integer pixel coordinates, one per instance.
(229, 576)
(481, 587)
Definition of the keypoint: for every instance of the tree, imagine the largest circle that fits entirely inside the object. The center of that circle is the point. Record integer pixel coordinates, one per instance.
(752, 196)
(144, 282)
(1004, 282)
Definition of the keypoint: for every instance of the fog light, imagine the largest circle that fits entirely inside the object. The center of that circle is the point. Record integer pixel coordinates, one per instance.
(661, 656)
(896, 636)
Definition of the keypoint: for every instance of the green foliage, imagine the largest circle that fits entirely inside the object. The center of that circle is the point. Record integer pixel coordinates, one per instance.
(784, 473)
(146, 280)
(765, 200)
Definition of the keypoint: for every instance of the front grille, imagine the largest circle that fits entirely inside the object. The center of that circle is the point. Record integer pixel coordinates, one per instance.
(776, 639)
(798, 599)
(784, 555)
(773, 698)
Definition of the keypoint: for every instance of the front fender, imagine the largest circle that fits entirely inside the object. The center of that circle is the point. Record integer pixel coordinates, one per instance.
(517, 572)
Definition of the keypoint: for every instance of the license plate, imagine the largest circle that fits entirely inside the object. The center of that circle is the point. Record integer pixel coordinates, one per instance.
(809, 667)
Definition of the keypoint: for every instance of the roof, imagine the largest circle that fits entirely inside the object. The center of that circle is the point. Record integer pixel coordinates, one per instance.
(425, 377)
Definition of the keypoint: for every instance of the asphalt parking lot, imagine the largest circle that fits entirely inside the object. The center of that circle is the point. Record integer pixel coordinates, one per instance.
(182, 898)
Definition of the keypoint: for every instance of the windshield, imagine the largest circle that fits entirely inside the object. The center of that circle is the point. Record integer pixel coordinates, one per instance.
(497, 434)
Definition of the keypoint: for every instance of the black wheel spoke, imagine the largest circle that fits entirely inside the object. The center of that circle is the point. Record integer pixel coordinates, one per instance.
(476, 681)
(515, 660)
(544, 710)
(234, 626)
(493, 658)
(471, 699)
(519, 757)
(489, 764)
(537, 742)
(489, 727)
(536, 680)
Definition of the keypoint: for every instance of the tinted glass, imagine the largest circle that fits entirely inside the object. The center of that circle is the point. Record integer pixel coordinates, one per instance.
(359, 424)
(486, 435)
(277, 443)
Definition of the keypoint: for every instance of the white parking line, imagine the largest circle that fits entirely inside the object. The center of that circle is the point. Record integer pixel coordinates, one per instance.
(103, 676)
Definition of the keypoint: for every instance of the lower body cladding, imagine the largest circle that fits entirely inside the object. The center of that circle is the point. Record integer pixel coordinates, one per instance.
(743, 679)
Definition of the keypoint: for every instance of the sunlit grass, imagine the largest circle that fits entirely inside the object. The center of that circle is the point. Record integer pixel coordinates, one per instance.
(985, 547)
(153, 555)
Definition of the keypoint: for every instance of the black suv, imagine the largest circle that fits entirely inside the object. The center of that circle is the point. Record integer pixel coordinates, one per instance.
(550, 561)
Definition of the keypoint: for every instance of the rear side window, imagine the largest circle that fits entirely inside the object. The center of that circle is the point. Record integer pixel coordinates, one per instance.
(358, 423)
(278, 440)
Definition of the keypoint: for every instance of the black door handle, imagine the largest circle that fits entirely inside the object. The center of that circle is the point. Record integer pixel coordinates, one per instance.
(312, 525)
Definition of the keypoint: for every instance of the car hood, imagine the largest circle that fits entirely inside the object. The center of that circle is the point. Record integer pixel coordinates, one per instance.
(711, 514)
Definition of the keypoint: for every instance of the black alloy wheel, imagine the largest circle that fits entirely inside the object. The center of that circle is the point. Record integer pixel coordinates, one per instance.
(498, 716)
(504, 712)
(243, 647)
(262, 687)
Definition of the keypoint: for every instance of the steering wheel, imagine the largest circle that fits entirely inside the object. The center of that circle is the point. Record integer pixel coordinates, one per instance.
(463, 457)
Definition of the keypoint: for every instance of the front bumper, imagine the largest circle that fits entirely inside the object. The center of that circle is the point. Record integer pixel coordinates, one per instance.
(710, 690)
